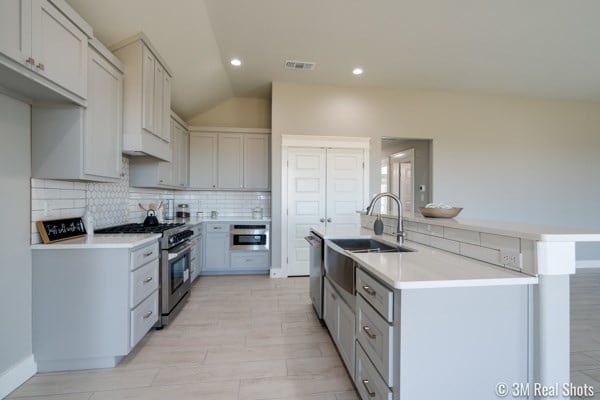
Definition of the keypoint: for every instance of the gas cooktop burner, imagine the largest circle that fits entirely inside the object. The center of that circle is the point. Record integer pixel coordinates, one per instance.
(139, 228)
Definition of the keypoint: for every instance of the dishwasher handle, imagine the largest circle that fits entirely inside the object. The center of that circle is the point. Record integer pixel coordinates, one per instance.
(313, 241)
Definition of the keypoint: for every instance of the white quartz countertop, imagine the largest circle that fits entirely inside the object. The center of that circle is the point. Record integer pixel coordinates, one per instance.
(544, 233)
(426, 267)
(102, 241)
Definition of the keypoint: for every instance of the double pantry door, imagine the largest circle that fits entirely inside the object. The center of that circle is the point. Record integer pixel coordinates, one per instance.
(325, 188)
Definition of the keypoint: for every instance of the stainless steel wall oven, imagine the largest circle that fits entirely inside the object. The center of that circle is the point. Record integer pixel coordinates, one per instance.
(250, 237)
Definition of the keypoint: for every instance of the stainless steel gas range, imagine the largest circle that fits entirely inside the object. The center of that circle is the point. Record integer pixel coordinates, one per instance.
(174, 266)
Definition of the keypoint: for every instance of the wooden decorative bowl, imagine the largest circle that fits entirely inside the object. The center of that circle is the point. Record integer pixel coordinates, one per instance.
(440, 212)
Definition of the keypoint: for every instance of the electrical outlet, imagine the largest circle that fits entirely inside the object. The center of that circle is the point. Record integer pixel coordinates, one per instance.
(511, 259)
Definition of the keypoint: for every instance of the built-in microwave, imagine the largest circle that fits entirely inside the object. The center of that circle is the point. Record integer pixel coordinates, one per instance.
(249, 237)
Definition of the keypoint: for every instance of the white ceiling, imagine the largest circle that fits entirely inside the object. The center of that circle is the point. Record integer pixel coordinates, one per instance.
(541, 48)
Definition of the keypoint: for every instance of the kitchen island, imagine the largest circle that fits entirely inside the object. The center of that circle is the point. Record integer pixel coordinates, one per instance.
(478, 304)
(426, 323)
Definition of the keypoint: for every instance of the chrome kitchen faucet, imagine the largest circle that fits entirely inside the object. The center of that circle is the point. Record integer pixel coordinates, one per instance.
(399, 227)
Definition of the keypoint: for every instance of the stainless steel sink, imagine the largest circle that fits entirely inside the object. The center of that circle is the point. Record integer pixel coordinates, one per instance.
(368, 246)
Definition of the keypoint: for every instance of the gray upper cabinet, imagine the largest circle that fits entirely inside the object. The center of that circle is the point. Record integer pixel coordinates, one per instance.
(149, 172)
(203, 160)
(45, 43)
(230, 159)
(147, 99)
(256, 161)
(71, 142)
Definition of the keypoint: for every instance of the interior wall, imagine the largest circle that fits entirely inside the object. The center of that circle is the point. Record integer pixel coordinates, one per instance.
(15, 267)
(236, 112)
(501, 158)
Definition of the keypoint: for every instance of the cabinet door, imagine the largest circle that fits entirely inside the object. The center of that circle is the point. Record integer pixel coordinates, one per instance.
(183, 155)
(345, 335)
(256, 161)
(230, 161)
(148, 90)
(15, 29)
(203, 160)
(217, 256)
(102, 144)
(166, 105)
(59, 48)
(166, 170)
(330, 309)
(159, 75)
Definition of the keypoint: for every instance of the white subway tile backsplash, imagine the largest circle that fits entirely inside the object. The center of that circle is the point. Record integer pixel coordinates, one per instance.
(480, 253)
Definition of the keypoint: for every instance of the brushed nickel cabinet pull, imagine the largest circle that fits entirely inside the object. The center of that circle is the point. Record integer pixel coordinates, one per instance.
(148, 314)
(365, 383)
(369, 290)
(148, 279)
(148, 254)
(370, 334)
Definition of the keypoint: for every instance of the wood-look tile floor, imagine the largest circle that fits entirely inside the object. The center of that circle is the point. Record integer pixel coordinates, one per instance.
(585, 328)
(243, 337)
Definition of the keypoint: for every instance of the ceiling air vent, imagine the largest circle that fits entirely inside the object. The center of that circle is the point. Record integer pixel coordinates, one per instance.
(300, 65)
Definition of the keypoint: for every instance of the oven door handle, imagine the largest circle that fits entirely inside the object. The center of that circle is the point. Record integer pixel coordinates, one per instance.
(181, 252)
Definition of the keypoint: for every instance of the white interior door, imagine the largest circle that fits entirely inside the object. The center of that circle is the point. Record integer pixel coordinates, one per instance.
(345, 191)
(306, 203)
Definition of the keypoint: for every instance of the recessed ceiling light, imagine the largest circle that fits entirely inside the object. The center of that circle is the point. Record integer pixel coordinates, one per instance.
(357, 71)
(236, 62)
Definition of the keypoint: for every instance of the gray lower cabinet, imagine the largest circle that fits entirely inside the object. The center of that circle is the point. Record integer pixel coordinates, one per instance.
(220, 259)
(441, 342)
(340, 320)
(92, 306)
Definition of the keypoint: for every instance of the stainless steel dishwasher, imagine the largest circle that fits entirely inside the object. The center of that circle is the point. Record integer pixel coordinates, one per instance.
(316, 272)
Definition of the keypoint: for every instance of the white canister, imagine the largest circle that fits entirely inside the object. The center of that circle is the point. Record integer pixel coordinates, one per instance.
(257, 213)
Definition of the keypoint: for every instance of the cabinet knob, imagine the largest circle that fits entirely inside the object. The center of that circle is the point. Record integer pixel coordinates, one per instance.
(41, 66)
(328, 219)
(322, 220)
(30, 61)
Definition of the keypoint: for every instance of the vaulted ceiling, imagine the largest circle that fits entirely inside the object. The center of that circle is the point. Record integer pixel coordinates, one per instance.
(540, 48)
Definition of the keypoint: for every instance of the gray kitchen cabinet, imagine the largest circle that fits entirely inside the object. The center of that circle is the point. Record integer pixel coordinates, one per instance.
(256, 161)
(340, 320)
(203, 160)
(92, 306)
(147, 98)
(149, 172)
(452, 333)
(230, 159)
(216, 245)
(85, 143)
(47, 42)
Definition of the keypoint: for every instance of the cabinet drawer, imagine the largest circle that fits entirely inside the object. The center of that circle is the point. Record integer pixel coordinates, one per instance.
(144, 281)
(217, 227)
(368, 382)
(142, 256)
(250, 260)
(376, 337)
(379, 296)
(143, 317)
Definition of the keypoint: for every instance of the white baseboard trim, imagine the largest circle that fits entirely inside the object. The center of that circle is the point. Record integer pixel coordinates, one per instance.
(16, 376)
(277, 273)
(587, 264)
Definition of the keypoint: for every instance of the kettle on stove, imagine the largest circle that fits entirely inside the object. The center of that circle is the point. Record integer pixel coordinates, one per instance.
(151, 219)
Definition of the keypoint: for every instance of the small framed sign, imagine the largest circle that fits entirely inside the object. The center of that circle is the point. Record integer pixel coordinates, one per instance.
(60, 229)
